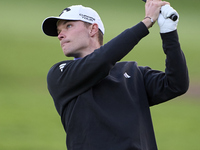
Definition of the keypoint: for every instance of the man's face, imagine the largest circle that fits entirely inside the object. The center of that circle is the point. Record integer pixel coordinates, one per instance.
(73, 36)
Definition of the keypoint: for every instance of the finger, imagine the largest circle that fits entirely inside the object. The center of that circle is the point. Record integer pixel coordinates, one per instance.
(148, 1)
(157, 0)
(162, 3)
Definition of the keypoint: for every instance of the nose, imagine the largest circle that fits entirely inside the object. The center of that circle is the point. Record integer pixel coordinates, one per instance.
(61, 36)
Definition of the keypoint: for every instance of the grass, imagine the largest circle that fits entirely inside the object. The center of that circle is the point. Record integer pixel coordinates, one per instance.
(176, 124)
(28, 117)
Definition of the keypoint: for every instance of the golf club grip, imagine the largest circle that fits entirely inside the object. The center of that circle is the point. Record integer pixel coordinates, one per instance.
(173, 17)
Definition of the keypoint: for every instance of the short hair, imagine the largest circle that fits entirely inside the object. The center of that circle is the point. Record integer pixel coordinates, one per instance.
(100, 34)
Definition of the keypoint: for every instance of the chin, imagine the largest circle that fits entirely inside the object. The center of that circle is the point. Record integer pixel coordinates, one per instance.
(66, 53)
(69, 55)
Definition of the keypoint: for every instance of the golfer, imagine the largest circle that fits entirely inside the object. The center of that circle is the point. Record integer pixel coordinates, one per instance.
(103, 103)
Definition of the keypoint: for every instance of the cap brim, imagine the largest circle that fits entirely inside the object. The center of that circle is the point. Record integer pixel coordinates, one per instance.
(49, 26)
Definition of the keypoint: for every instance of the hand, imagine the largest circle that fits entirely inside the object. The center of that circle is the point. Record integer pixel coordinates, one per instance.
(167, 25)
(152, 11)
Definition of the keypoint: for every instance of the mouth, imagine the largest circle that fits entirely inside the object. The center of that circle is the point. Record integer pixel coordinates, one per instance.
(64, 43)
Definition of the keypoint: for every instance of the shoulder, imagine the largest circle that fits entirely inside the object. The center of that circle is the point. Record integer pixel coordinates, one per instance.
(126, 63)
(126, 66)
(132, 66)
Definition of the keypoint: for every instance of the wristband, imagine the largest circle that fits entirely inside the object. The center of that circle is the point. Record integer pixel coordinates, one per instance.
(150, 19)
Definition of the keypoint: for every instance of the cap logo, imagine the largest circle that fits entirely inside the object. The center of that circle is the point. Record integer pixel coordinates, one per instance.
(87, 17)
(65, 10)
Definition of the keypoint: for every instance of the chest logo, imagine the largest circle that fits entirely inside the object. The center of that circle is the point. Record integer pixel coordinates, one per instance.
(126, 75)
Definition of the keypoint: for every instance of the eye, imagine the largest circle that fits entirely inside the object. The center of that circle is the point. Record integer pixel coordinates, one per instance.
(69, 26)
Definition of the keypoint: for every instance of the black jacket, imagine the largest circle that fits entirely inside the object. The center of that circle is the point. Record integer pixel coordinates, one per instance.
(104, 105)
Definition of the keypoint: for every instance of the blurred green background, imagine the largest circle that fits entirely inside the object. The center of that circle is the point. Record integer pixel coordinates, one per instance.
(28, 119)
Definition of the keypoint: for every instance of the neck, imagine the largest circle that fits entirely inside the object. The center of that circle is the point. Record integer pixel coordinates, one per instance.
(93, 46)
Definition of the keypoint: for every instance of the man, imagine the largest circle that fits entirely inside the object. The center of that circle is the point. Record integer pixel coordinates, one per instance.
(104, 104)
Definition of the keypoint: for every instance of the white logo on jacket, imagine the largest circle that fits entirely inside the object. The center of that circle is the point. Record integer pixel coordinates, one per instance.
(62, 66)
(126, 75)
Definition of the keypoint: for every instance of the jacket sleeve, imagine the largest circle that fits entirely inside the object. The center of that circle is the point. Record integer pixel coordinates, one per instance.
(80, 75)
(163, 86)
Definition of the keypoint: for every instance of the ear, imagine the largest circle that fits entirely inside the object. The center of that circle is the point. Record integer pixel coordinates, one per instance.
(94, 29)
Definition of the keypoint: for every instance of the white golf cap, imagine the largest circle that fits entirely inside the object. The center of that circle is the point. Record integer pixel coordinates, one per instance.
(76, 12)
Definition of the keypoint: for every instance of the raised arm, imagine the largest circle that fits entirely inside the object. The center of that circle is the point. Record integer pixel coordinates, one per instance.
(162, 86)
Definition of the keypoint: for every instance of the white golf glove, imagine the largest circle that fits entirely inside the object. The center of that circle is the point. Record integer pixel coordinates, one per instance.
(165, 23)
